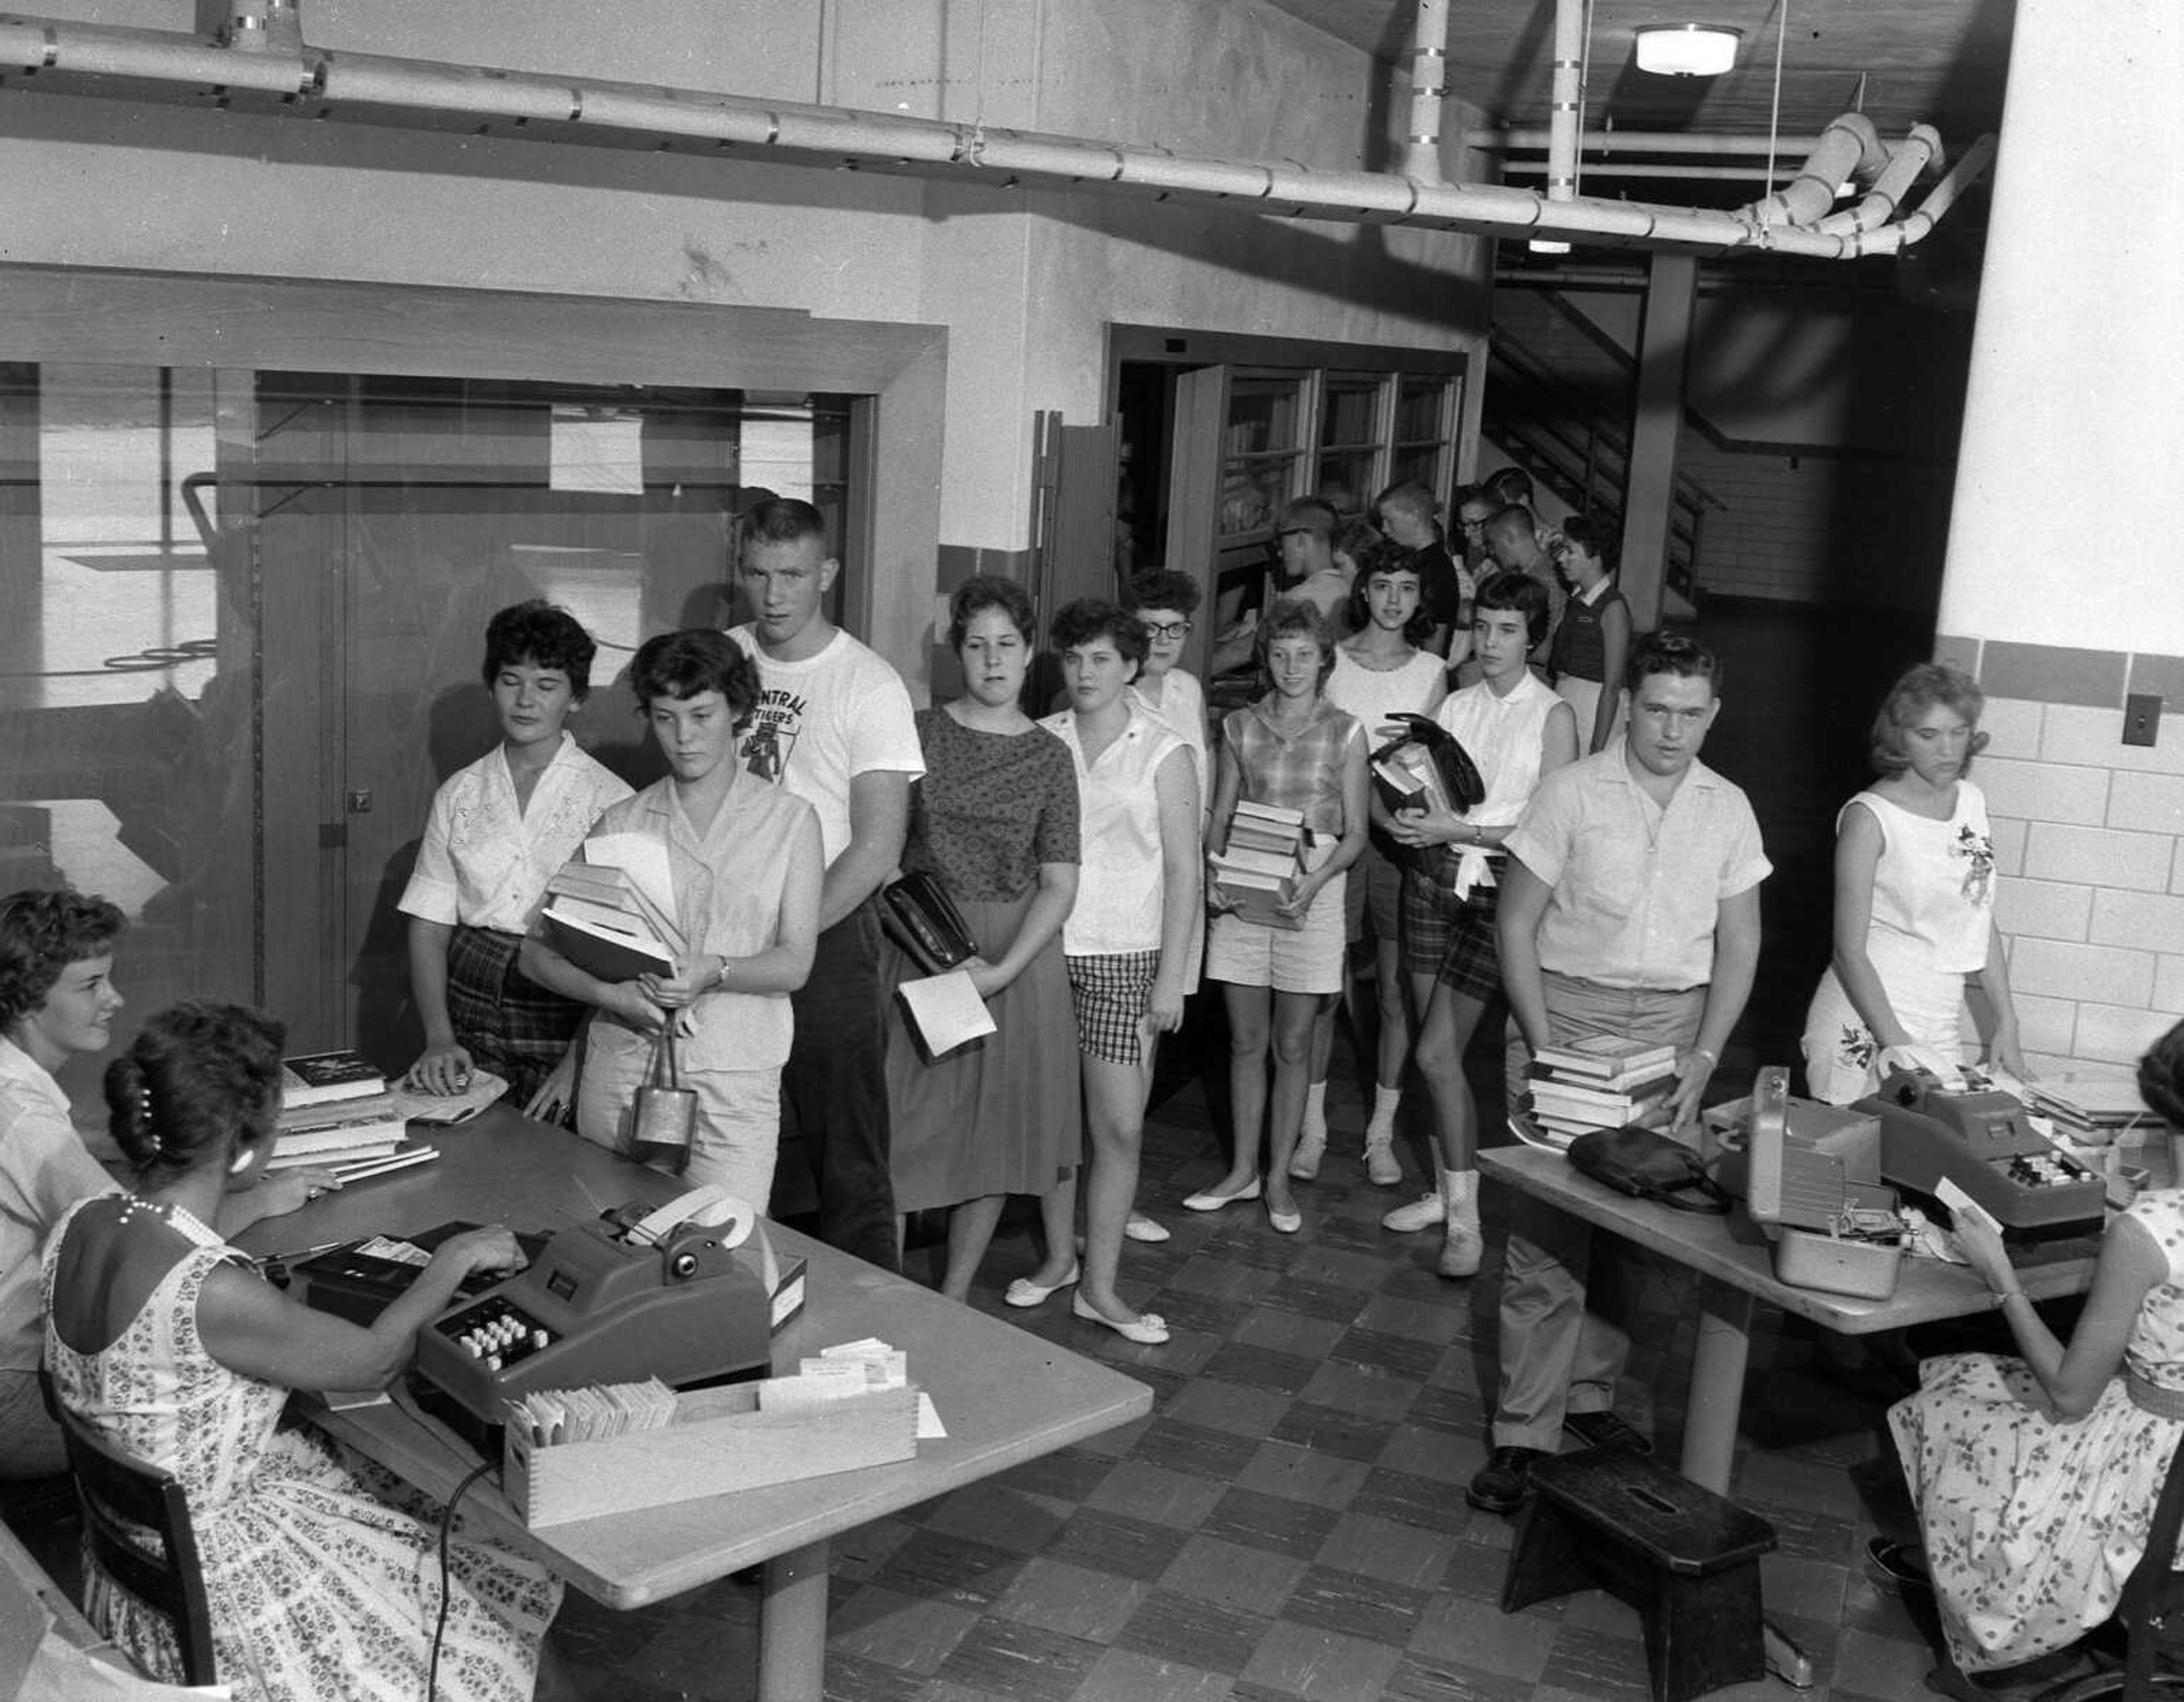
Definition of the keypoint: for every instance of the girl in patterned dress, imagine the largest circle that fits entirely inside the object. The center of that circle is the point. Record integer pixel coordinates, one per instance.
(2035, 1476)
(994, 819)
(321, 1575)
(1914, 902)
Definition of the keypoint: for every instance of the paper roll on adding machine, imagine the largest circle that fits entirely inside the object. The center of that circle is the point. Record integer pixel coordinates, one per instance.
(689, 1292)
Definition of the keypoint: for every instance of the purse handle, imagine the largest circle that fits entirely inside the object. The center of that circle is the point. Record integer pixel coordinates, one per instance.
(1713, 1199)
(663, 1073)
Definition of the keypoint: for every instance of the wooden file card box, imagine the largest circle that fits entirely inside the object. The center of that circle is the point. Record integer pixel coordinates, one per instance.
(720, 1442)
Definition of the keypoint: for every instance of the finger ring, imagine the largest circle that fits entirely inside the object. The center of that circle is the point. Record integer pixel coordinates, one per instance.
(313, 1193)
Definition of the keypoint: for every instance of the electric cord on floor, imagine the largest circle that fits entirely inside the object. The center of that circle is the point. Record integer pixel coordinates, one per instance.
(440, 1625)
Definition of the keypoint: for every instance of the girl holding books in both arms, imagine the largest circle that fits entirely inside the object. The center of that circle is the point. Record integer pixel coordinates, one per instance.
(1380, 672)
(745, 862)
(1293, 750)
(319, 1570)
(1516, 730)
(497, 832)
(1128, 939)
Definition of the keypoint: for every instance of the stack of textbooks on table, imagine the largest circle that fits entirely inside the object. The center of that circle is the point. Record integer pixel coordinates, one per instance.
(1602, 1081)
(338, 1113)
(604, 921)
(1258, 871)
(2090, 1107)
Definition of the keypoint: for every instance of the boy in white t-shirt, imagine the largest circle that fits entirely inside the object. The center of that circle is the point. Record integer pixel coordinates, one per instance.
(834, 726)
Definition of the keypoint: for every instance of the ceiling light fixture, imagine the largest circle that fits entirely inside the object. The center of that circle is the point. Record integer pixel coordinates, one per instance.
(1687, 50)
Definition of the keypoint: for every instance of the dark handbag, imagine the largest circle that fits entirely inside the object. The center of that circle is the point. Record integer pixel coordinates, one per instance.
(1647, 1165)
(1453, 771)
(922, 919)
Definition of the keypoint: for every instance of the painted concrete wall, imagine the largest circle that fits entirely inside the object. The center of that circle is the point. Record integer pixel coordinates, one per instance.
(1025, 285)
(2076, 368)
(2077, 364)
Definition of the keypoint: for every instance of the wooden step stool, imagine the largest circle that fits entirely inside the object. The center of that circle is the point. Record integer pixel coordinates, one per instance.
(1686, 1559)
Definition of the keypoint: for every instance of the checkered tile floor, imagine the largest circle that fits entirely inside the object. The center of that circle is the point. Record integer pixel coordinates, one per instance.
(1290, 1522)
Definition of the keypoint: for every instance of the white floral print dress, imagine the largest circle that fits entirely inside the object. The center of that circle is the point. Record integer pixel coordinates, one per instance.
(1932, 917)
(2031, 1524)
(322, 1573)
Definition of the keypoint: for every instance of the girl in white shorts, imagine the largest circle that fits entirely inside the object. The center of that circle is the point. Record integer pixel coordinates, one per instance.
(1293, 749)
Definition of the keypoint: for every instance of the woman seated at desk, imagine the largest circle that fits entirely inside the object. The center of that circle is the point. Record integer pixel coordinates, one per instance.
(319, 1574)
(2035, 1476)
(745, 862)
(57, 1001)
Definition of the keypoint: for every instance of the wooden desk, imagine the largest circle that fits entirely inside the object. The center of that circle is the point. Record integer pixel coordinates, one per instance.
(1004, 1396)
(1734, 1272)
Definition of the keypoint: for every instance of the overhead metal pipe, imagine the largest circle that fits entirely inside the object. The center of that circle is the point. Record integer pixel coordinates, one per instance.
(109, 60)
(1565, 99)
(1666, 142)
(1892, 239)
(1848, 149)
(1428, 89)
(1664, 170)
(1915, 154)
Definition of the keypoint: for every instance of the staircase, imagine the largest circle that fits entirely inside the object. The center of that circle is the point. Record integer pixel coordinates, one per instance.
(1559, 433)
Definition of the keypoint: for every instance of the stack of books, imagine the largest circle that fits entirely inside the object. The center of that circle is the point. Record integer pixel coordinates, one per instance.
(1258, 871)
(338, 1113)
(2089, 1107)
(606, 924)
(1408, 777)
(1602, 1081)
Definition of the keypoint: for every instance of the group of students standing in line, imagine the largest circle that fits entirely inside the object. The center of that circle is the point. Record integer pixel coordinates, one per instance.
(1603, 884)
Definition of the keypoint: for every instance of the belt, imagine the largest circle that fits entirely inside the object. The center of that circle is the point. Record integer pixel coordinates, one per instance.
(2149, 1397)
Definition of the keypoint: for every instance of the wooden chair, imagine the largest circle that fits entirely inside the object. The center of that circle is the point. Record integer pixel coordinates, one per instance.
(2152, 1597)
(123, 1500)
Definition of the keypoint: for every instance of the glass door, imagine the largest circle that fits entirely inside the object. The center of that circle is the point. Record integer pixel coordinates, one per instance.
(398, 515)
(129, 668)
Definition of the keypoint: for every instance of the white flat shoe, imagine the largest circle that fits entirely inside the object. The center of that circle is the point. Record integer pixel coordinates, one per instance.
(1213, 1202)
(1023, 1292)
(1150, 1329)
(1143, 1228)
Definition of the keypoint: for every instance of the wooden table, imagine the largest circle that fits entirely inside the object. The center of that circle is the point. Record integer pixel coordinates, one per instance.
(1005, 1396)
(1734, 1263)
(1735, 1267)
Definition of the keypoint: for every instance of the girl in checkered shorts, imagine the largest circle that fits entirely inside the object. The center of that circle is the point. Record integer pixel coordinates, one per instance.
(1127, 940)
(1516, 730)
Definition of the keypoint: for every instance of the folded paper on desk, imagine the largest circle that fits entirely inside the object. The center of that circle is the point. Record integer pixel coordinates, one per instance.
(416, 1106)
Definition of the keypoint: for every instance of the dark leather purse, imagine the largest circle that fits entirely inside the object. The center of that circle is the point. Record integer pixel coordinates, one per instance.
(919, 916)
(1647, 1165)
(1457, 775)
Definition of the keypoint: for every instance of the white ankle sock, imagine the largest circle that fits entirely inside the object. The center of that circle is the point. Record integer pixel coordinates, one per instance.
(1382, 1125)
(1314, 1127)
(1460, 1188)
